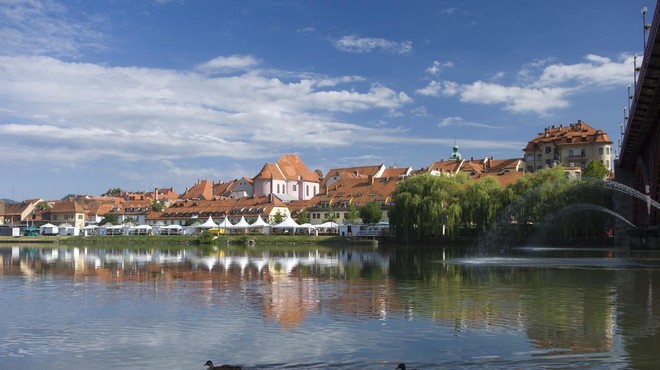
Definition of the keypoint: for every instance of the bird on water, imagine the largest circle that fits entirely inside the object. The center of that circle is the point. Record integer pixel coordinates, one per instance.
(402, 366)
(209, 363)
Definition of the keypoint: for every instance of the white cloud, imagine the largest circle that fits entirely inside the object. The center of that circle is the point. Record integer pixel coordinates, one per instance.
(516, 99)
(542, 87)
(596, 71)
(29, 27)
(229, 64)
(436, 67)
(459, 121)
(84, 112)
(354, 44)
(432, 89)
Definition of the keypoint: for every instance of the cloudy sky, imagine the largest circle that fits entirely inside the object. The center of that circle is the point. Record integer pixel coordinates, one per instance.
(140, 94)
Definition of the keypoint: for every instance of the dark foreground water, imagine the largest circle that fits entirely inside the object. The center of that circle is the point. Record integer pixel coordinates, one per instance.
(320, 308)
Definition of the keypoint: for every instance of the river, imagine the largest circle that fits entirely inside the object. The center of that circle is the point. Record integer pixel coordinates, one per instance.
(318, 307)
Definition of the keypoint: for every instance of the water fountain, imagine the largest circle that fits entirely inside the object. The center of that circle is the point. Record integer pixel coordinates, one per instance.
(508, 230)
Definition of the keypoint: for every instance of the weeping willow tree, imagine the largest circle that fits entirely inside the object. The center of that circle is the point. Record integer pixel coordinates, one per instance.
(544, 195)
(424, 203)
(484, 200)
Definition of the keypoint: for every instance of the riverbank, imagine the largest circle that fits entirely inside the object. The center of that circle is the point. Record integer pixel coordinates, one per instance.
(249, 240)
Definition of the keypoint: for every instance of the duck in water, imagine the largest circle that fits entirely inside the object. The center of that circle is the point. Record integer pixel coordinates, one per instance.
(209, 363)
(402, 366)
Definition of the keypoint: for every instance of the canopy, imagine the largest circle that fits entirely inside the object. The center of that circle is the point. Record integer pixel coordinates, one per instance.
(48, 229)
(225, 224)
(288, 223)
(209, 224)
(242, 224)
(259, 223)
(327, 225)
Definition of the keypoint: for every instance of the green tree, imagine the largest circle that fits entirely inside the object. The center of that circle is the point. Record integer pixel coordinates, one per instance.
(109, 218)
(371, 213)
(483, 202)
(330, 215)
(595, 169)
(157, 206)
(113, 192)
(278, 217)
(303, 218)
(351, 214)
(423, 203)
(41, 205)
(131, 220)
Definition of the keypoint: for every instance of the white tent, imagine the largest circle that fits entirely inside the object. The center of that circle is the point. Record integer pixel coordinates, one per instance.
(328, 227)
(288, 223)
(209, 224)
(114, 230)
(242, 224)
(143, 229)
(89, 230)
(307, 226)
(225, 224)
(260, 224)
(171, 229)
(68, 229)
(49, 229)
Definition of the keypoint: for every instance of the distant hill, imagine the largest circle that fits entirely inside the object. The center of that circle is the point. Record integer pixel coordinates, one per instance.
(9, 201)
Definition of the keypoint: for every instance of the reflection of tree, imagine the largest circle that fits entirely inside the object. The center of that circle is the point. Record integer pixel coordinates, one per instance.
(639, 319)
(559, 315)
(555, 311)
(558, 308)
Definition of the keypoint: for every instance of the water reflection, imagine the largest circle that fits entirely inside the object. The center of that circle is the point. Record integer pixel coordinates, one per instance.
(535, 307)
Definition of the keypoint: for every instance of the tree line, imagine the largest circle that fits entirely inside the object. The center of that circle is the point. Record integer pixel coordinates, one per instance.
(429, 206)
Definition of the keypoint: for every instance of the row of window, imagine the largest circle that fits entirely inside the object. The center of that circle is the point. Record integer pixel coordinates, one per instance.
(571, 153)
(281, 189)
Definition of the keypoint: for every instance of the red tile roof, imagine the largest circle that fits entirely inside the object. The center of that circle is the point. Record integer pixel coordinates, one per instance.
(293, 168)
(202, 191)
(575, 133)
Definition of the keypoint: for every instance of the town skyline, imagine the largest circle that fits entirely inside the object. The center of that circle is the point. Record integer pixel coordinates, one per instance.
(150, 94)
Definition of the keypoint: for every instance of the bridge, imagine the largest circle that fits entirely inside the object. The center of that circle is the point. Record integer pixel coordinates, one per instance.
(638, 164)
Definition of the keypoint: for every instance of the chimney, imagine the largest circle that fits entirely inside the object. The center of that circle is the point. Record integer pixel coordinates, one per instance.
(155, 194)
(371, 180)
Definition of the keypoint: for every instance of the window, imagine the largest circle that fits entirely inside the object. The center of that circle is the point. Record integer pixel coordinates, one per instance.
(600, 151)
(538, 157)
(294, 187)
(80, 217)
(530, 169)
(582, 153)
(607, 150)
(548, 149)
(570, 152)
(307, 190)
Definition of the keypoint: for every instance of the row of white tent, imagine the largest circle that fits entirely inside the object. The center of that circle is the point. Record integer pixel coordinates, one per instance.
(109, 229)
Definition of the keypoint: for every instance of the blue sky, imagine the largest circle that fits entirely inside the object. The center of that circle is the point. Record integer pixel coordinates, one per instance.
(140, 94)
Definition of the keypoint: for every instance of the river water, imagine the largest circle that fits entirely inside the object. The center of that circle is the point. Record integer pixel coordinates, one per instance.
(319, 307)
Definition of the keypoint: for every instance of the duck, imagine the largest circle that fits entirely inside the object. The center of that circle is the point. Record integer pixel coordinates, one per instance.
(402, 366)
(209, 363)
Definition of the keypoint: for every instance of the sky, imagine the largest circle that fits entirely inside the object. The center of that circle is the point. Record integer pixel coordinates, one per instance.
(139, 94)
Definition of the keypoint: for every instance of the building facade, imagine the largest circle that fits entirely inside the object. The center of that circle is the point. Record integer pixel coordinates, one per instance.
(574, 145)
